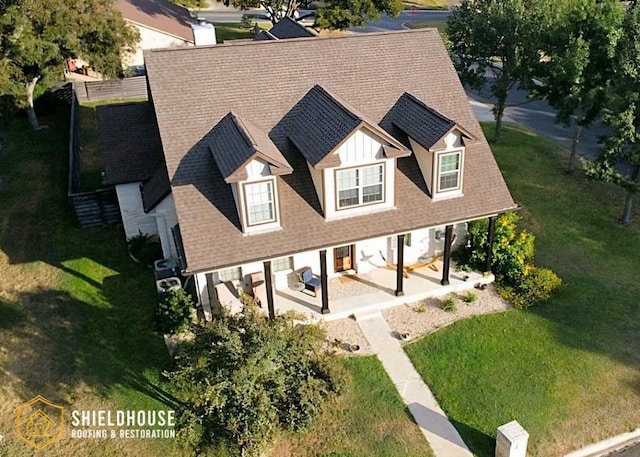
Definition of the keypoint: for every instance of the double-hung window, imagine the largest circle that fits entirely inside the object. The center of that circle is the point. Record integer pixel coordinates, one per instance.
(360, 186)
(260, 202)
(449, 171)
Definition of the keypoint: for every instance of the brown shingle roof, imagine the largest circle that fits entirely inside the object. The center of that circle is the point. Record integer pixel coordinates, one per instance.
(235, 141)
(130, 140)
(371, 71)
(159, 15)
(290, 28)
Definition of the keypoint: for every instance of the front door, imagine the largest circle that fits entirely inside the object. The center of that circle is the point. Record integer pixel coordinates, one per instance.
(343, 258)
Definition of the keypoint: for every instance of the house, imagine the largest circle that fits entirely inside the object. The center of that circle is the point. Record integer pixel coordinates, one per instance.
(284, 29)
(162, 24)
(268, 157)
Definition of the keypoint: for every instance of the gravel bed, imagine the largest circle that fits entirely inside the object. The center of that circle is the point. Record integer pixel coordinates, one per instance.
(415, 319)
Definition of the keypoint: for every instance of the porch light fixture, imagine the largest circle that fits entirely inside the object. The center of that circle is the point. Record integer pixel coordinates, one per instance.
(439, 235)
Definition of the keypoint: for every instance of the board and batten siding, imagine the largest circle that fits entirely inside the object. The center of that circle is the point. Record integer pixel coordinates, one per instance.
(360, 149)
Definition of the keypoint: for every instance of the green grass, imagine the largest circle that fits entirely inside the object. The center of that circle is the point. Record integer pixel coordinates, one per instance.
(425, 4)
(368, 421)
(76, 317)
(231, 31)
(568, 371)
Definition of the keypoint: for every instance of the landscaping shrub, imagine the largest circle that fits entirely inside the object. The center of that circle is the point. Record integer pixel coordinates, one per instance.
(245, 377)
(537, 287)
(518, 279)
(448, 304)
(469, 298)
(173, 314)
(144, 248)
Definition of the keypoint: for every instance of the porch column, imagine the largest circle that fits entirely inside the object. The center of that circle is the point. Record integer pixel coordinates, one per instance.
(269, 286)
(446, 261)
(400, 266)
(323, 282)
(490, 238)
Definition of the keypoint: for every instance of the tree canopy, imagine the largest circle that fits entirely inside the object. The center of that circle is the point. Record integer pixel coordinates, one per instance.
(575, 66)
(337, 14)
(38, 36)
(494, 38)
(619, 161)
(245, 376)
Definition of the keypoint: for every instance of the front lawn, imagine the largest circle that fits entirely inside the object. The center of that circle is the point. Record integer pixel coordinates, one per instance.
(568, 371)
(75, 324)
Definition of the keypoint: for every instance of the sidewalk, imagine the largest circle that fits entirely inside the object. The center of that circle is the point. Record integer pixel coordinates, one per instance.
(434, 424)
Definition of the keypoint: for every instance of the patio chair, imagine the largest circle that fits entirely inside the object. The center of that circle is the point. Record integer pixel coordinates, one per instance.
(311, 282)
(258, 288)
(227, 297)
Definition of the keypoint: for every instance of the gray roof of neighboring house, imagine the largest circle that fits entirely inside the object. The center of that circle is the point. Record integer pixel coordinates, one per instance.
(159, 15)
(156, 188)
(262, 81)
(130, 141)
(235, 141)
(284, 29)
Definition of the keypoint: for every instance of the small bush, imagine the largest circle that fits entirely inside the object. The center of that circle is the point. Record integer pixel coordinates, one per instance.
(421, 308)
(448, 304)
(144, 248)
(537, 287)
(469, 298)
(174, 311)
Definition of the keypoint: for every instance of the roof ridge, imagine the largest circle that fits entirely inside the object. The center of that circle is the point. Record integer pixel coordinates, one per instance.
(240, 124)
(338, 102)
(427, 107)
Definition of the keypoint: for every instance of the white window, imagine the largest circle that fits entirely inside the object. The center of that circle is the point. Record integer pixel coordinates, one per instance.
(360, 186)
(230, 274)
(260, 201)
(285, 263)
(449, 171)
(394, 241)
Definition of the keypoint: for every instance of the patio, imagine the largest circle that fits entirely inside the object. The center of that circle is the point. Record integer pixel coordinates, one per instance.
(375, 291)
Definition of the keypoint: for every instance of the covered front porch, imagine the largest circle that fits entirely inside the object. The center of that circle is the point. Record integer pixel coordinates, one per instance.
(373, 291)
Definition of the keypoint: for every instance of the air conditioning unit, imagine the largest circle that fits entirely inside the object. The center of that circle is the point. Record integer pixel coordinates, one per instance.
(164, 285)
(165, 268)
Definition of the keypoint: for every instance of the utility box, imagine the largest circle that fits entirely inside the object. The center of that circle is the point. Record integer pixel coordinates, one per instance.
(511, 440)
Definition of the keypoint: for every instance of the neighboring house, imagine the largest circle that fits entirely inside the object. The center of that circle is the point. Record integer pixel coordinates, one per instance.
(162, 25)
(284, 29)
(264, 163)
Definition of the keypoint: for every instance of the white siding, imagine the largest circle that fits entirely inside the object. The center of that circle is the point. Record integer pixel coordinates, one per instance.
(360, 148)
(134, 219)
(151, 39)
(165, 213)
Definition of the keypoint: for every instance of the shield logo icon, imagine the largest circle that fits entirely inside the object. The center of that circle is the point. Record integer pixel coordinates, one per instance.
(39, 422)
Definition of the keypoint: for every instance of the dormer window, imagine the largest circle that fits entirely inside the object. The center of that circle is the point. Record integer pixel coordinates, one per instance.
(360, 186)
(260, 202)
(449, 171)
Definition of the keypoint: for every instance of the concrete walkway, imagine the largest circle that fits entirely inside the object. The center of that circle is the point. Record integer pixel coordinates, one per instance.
(444, 439)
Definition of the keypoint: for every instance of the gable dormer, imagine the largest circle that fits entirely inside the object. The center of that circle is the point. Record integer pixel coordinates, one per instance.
(249, 162)
(438, 144)
(351, 160)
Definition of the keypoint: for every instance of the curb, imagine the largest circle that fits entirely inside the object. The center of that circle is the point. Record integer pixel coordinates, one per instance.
(605, 447)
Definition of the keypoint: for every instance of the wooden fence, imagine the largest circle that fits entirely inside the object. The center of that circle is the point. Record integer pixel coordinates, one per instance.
(112, 89)
(89, 208)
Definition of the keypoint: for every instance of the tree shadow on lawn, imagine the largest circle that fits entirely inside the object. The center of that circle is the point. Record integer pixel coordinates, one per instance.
(478, 442)
(88, 320)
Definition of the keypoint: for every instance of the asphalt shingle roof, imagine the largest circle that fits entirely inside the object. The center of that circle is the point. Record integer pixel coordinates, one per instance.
(262, 81)
(156, 188)
(423, 124)
(130, 140)
(235, 141)
(159, 15)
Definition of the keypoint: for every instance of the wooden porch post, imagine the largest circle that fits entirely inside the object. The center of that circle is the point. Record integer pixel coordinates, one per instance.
(269, 286)
(446, 262)
(490, 238)
(400, 266)
(323, 282)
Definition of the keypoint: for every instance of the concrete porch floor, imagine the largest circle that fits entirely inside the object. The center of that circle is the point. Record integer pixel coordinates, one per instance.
(374, 291)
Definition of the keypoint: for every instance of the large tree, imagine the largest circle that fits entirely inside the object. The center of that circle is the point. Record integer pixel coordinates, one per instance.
(576, 57)
(337, 14)
(494, 38)
(38, 36)
(619, 161)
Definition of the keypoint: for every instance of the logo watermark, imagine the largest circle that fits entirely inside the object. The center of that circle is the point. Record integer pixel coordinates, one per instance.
(39, 422)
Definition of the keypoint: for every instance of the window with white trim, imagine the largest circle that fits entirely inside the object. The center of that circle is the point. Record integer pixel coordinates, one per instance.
(282, 264)
(230, 274)
(360, 186)
(449, 171)
(260, 202)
